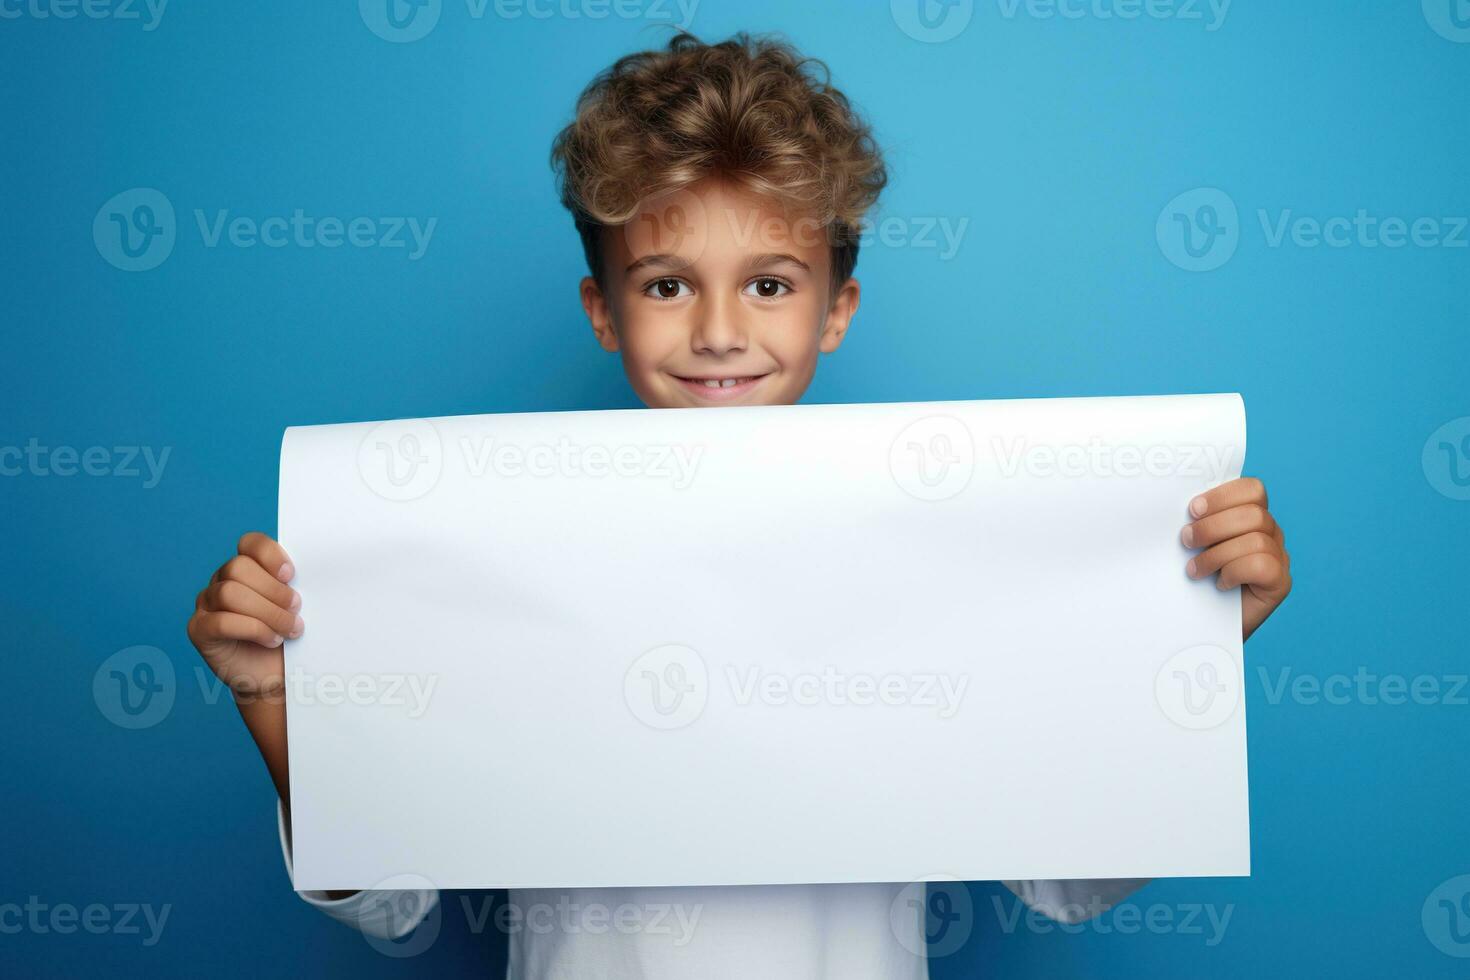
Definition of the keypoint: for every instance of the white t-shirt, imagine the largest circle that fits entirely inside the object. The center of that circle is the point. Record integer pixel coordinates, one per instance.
(802, 932)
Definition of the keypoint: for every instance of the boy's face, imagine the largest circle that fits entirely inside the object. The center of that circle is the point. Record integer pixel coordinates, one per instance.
(715, 296)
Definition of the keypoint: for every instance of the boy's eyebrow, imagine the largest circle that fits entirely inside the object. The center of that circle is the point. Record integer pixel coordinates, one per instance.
(775, 258)
(659, 260)
(664, 260)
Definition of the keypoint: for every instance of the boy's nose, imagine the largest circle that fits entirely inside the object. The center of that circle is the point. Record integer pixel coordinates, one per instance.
(719, 331)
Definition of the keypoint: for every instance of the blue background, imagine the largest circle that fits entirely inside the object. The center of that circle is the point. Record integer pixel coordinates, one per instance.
(1059, 140)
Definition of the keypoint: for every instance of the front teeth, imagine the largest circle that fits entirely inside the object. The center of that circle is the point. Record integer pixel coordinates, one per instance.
(721, 382)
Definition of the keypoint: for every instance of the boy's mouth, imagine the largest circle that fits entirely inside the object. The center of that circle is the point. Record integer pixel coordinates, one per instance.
(719, 389)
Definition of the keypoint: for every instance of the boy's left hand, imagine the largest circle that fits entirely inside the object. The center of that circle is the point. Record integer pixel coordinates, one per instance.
(1244, 544)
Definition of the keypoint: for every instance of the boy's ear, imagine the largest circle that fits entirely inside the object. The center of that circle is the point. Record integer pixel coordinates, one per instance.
(598, 313)
(839, 315)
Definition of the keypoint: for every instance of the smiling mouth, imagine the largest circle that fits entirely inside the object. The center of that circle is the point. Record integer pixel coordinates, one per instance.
(720, 389)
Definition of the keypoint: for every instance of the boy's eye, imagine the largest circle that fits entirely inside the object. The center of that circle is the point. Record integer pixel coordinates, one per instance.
(667, 289)
(767, 288)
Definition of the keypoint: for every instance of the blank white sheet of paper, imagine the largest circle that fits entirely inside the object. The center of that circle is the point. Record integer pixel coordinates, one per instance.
(814, 643)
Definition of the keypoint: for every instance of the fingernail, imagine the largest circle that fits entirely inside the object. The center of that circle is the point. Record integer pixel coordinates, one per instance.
(1197, 506)
(1187, 535)
(286, 572)
(295, 601)
(298, 627)
(276, 642)
(1189, 568)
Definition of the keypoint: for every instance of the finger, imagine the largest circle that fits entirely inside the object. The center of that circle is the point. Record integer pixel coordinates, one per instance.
(1260, 569)
(1227, 524)
(247, 571)
(235, 597)
(1246, 490)
(211, 627)
(1213, 559)
(269, 554)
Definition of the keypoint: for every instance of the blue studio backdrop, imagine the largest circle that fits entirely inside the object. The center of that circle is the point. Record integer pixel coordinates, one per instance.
(1088, 197)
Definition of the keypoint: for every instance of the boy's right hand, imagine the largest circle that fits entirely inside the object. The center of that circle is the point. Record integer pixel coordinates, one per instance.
(244, 614)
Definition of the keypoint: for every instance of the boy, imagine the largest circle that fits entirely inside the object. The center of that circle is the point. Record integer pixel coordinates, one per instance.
(717, 190)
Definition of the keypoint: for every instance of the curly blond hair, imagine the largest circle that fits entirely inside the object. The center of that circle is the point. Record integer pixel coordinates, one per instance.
(750, 110)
